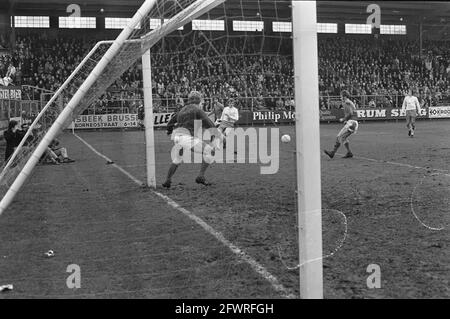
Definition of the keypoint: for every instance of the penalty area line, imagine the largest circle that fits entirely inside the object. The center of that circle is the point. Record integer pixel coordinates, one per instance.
(397, 164)
(257, 267)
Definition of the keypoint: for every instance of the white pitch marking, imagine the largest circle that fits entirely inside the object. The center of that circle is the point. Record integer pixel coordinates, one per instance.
(412, 206)
(414, 190)
(257, 267)
(339, 246)
(399, 164)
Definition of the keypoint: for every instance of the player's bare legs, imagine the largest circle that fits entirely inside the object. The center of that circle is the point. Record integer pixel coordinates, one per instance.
(408, 124)
(208, 154)
(342, 138)
(349, 152)
(226, 131)
(411, 126)
(172, 169)
(201, 175)
(336, 147)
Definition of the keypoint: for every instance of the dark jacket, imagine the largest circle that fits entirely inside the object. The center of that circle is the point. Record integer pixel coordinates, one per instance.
(12, 141)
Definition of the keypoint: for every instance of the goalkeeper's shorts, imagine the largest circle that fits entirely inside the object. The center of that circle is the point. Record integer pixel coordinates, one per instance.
(184, 144)
(187, 141)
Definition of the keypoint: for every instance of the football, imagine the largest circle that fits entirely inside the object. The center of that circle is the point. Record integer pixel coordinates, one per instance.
(285, 138)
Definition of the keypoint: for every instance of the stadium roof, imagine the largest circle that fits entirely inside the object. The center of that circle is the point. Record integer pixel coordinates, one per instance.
(399, 12)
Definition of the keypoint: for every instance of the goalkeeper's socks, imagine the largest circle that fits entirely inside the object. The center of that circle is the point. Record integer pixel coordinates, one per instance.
(167, 184)
(330, 154)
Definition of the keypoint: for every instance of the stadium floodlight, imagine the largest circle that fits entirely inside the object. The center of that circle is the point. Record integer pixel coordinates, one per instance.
(103, 65)
(308, 148)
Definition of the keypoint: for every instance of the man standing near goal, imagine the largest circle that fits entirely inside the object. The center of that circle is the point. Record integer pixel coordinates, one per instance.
(412, 107)
(186, 140)
(351, 126)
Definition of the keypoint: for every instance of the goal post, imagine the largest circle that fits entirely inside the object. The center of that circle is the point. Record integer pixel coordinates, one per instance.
(148, 120)
(304, 28)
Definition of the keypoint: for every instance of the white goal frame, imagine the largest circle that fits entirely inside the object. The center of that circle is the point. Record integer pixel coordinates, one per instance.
(307, 130)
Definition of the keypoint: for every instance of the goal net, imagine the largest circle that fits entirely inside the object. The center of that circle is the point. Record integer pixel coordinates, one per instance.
(236, 53)
(99, 69)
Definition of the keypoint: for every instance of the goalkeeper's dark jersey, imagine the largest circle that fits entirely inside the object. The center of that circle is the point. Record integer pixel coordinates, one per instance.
(185, 119)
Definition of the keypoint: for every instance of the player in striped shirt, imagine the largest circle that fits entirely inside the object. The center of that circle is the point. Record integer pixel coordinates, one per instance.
(351, 126)
(412, 107)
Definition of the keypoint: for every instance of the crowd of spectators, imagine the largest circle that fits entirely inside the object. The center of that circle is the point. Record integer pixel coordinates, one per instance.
(250, 68)
(257, 70)
(383, 68)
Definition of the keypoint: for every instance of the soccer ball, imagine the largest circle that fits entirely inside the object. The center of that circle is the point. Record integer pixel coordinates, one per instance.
(285, 138)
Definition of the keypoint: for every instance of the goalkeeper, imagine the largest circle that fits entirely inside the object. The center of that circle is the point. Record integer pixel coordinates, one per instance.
(351, 126)
(181, 127)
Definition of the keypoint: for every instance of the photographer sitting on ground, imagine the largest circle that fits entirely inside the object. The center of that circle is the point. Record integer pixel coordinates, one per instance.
(58, 153)
(55, 154)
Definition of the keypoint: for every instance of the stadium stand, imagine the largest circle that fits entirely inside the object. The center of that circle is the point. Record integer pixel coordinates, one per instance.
(378, 71)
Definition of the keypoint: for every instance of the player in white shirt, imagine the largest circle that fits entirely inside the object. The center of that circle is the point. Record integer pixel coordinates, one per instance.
(230, 115)
(412, 107)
